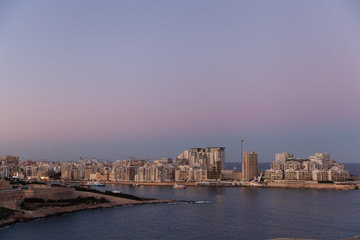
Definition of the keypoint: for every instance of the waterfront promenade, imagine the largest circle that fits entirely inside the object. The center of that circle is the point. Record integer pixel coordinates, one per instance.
(269, 184)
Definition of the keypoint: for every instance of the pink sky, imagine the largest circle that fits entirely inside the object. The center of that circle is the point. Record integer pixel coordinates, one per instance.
(130, 78)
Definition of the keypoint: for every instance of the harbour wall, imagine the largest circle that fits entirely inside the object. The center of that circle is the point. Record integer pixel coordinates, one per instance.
(313, 185)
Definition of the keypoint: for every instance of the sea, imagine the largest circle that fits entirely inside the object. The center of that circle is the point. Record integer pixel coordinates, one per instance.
(216, 213)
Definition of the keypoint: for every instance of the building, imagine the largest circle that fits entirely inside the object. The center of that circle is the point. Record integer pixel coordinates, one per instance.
(282, 157)
(215, 158)
(211, 159)
(193, 165)
(315, 168)
(249, 166)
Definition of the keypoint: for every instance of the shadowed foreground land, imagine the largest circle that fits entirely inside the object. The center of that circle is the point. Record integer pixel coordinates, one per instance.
(98, 200)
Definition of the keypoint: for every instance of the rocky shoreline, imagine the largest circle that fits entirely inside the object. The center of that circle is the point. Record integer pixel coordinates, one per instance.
(25, 216)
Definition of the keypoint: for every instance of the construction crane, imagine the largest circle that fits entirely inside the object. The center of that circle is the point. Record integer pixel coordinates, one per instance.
(242, 151)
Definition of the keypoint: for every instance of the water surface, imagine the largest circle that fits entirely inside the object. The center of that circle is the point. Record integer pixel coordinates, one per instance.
(221, 213)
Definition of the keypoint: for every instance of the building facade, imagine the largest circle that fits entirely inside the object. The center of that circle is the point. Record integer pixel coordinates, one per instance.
(249, 166)
(315, 168)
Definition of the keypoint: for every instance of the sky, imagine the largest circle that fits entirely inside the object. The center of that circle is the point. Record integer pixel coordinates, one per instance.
(150, 79)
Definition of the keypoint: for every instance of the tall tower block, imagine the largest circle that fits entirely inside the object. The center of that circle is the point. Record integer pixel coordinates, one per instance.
(249, 166)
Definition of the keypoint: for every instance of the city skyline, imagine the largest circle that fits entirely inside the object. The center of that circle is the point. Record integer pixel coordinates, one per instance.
(149, 79)
(199, 165)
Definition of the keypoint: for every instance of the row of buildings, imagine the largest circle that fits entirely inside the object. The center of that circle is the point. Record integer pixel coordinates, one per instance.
(192, 165)
(315, 168)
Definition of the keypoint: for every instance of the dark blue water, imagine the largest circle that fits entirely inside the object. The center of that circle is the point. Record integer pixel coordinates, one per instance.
(221, 213)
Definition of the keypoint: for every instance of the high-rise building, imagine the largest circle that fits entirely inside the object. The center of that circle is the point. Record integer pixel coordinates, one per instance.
(211, 159)
(249, 166)
(215, 157)
(282, 157)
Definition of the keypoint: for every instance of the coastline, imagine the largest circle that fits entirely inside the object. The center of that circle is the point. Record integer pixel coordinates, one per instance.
(275, 184)
(267, 184)
(188, 184)
(135, 183)
(312, 185)
(25, 216)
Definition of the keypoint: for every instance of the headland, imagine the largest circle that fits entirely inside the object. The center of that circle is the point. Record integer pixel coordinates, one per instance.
(13, 199)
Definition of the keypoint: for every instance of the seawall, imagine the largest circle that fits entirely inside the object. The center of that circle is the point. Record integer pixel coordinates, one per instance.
(312, 185)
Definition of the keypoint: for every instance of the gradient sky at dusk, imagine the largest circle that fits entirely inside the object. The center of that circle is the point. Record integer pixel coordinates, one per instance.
(114, 79)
